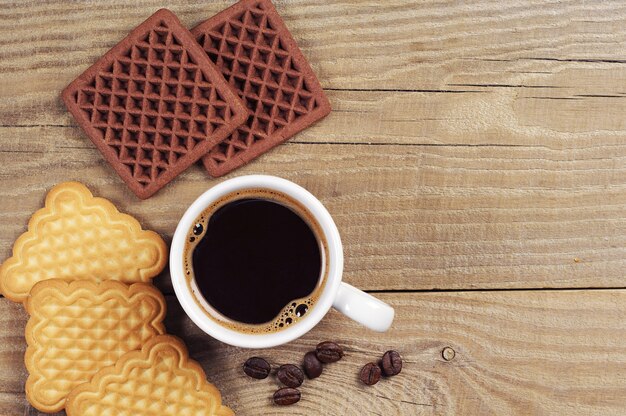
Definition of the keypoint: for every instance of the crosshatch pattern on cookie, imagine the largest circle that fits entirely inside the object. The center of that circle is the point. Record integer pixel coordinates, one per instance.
(253, 48)
(77, 328)
(154, 104)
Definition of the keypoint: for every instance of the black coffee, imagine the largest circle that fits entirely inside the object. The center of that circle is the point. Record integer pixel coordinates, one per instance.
(255, 260)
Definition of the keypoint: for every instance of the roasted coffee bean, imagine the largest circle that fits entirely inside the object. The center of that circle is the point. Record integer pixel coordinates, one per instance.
(257, 367)
(391, 363)
(312, 366)
(370, 374)
(290, 375)
(328, 352)
(286, 396)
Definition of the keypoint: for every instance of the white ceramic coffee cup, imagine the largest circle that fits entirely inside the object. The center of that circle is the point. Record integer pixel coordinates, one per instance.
(358, 305)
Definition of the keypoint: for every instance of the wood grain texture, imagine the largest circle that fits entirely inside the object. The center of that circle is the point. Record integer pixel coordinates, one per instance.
(411, 217)
(472, 145)
(516, 353)
(351, 44)
(525, 73)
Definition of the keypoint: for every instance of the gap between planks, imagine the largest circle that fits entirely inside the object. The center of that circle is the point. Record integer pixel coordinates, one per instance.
(167, 292)
(293, 141)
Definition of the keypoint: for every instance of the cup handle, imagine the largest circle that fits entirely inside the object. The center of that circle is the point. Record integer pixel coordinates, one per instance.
(363, 308)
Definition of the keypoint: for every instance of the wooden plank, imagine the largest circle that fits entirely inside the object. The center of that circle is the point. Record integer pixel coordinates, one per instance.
(13, 319)
(533, 73)
(352, 44)
(568, 118)
(522, 353)
(556, 119)
(411, 217)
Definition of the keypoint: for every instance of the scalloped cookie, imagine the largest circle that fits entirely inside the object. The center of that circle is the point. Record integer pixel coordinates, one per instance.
(158, 380)
(78, 328)
(79, 237)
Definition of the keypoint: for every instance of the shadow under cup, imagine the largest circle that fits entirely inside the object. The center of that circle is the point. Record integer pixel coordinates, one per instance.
(256, 261)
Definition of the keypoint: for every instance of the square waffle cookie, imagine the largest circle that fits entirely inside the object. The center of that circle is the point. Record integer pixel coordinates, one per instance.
(158, 380)
(253, 48)
(77, 328)
(76, 236)
(154, 104)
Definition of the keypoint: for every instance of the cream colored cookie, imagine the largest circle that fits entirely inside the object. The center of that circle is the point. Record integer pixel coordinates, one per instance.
(158, 380)
(79, 237)
(77, 328)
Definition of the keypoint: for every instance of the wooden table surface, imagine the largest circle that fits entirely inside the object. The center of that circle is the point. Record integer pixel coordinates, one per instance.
(475, 164)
